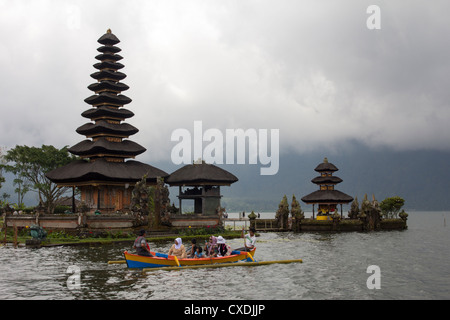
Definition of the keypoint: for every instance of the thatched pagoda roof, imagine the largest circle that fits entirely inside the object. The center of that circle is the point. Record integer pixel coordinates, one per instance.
(326, 180)
(108, 98)
(108, 85)
(201, 174)
(108, 38)
(108, 75)
(326, 166)
(125, 148)
(85, 172)
(104, 127)
(105, 112)
(108, 56)
(327, 196)
(108, 65)
(108, 49)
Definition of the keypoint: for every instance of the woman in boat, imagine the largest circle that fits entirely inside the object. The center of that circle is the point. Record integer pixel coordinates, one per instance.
(178, 249)
(211, 247)
(223, 248)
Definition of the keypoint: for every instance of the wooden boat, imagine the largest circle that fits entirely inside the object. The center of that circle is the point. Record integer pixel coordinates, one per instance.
(163, 260)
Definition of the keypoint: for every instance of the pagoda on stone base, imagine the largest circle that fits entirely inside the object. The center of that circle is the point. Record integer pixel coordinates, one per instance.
(326, 197)
(103, 175)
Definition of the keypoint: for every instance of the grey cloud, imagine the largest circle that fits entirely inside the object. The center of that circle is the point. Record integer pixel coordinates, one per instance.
(311, 69)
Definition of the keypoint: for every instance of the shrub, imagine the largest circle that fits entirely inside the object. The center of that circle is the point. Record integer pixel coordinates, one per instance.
(390, 207)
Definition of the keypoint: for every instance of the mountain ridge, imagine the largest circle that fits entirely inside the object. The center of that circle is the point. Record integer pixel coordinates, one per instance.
(421, 177)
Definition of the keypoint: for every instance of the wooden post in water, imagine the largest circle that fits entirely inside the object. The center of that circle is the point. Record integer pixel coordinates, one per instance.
(73, 199)
(15, 236)
(4, 225)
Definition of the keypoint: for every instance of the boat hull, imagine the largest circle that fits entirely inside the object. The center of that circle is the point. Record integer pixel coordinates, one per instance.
(164, 260)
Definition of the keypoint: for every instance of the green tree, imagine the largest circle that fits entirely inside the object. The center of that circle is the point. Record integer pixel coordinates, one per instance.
(2, 162)
(296, 209)
(390, 207)
(22, 188)
(5, 196)
(2, 179)
(30, 165)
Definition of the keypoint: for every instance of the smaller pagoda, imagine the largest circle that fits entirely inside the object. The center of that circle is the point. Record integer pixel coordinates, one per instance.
(201, 182)
(327, 198)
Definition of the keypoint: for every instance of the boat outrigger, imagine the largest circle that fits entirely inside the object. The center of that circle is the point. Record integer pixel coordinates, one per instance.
(160, 260)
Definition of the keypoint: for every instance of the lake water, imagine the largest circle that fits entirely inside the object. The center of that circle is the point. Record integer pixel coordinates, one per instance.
(413, 264)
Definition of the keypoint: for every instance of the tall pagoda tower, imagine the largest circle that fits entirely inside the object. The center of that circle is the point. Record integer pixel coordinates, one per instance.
(103, 174)
(327, 197)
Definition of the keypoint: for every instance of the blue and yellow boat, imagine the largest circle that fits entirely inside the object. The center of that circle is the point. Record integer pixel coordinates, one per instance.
(160, 260)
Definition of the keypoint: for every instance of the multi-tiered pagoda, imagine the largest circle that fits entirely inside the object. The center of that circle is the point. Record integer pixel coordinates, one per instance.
(103, 174)
(327, 197)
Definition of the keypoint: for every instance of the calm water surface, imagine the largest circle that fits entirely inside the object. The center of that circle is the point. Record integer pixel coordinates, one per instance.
(413, 263)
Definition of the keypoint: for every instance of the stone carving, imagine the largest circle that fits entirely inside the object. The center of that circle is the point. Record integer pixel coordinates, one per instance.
(140, 197)
(151, 202)
(282, 214)
(297, 214)
(354, 209)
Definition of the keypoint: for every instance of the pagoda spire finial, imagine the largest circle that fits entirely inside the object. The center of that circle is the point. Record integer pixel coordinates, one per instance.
(108, 31)
(325, 160)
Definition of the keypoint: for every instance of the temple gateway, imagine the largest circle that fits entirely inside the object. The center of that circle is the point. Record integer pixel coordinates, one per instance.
(103, 174)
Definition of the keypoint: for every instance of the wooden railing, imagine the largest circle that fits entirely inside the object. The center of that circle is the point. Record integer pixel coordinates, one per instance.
(261, 224)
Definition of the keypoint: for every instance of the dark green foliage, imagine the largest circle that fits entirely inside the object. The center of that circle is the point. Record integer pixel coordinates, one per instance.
(390, 207)
(30, 164)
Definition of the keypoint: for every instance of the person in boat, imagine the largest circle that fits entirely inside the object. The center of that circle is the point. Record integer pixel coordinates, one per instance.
(199, 253)
(250, 240)
(211, 247)
(222, 248)
(178, 249)
(141, 245)
(192, 250)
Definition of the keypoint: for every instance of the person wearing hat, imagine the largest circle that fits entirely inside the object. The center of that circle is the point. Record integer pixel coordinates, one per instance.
(223, 248)
(141, 245)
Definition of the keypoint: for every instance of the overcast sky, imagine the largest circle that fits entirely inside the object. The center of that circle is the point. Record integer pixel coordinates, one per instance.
(309, 68)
